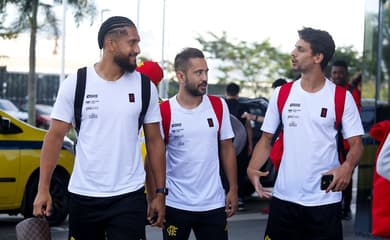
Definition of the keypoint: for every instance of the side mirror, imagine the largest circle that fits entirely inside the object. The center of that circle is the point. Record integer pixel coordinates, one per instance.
(5, 124)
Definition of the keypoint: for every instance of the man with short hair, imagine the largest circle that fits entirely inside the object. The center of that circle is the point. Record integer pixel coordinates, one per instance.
(196, 144)
(339, 75)
(107, 199)
(299, 208)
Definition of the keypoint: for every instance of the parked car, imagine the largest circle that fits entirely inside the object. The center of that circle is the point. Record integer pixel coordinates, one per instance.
(20, 150)
(43, 115)
(10, 108)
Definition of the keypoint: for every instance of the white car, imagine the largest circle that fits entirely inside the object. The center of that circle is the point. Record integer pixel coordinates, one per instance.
(10, 108)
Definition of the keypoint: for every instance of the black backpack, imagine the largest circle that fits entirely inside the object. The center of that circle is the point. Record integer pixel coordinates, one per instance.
(80, 92)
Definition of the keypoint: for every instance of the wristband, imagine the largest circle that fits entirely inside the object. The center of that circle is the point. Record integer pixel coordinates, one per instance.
(162, 190)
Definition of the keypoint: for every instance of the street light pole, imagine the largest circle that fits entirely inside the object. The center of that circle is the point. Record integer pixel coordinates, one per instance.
(102, 14)
(64, 7)
(163, 87)
(138, 10)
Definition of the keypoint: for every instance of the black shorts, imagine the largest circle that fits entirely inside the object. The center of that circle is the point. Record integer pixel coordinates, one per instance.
(119, 217)
(289, 220)
(207, 225)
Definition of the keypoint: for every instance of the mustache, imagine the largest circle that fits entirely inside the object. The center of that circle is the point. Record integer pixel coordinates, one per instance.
(203, 83)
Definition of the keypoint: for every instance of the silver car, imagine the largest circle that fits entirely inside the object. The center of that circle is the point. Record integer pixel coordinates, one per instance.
(10, 108)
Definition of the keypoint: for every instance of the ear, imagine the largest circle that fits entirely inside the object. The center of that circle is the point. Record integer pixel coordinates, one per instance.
(180, 76)
(318, 58)
(109, 44)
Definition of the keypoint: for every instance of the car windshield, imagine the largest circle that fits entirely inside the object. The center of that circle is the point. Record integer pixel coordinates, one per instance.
(7, 105)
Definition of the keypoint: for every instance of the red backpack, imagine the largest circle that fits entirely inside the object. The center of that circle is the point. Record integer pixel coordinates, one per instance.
(339, 100)
(165, 109)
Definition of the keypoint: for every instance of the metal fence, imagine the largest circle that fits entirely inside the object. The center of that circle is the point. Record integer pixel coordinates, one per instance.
(13, 86)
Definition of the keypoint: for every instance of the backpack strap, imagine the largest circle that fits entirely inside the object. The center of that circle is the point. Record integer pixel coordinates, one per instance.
(339, 102)
(79, 96)
(145, 92)
(216, 103)
(281, 101)
(282, 97)
(165, 109)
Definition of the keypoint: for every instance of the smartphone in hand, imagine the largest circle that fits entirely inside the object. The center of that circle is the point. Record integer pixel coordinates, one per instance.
(325, 181)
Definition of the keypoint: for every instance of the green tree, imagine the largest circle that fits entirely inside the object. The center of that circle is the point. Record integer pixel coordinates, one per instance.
(33, 16)
(251, 64)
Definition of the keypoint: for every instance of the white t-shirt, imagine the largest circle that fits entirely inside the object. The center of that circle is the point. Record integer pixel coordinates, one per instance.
(108, 158)
(192, 158)
(310, 146)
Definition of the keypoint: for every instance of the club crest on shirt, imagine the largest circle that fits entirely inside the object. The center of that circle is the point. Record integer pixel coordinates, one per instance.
(210, 122)
(131, 97)
(324, 111)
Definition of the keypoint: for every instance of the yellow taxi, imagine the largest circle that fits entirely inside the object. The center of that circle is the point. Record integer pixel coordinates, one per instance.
(20, 150)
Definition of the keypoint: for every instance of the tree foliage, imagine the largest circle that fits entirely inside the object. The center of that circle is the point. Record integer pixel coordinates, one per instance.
(33, 16)
(252, 64)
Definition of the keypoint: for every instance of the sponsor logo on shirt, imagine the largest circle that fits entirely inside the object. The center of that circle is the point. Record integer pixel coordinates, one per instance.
(293, 114)
(210, 122)
(131, 97)
(324, 111)
(92, 105)
(92, 96)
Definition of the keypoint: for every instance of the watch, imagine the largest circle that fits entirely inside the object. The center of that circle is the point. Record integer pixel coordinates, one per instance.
(162, 190)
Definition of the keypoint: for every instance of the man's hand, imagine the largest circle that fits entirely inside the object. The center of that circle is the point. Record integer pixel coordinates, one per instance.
(231, 203)
(42, 204)
(254, 176)
(341, 177)
(156, 211)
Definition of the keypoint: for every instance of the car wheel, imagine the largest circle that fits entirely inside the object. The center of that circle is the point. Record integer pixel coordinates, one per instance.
(59, 193)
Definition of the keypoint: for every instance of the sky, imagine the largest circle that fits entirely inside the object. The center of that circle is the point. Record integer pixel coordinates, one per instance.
(248, 20)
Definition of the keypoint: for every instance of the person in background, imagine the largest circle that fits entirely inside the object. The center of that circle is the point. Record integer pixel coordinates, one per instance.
(237, 110)
(299, 209)
(107, 199)
(195, 147)
(339, 75)
(249, 116)
(356, 83)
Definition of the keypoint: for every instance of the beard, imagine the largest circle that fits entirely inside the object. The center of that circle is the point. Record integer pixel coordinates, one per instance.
(194, 89)
(123, 62)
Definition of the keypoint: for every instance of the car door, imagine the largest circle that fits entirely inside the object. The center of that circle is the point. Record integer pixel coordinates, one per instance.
(9, 164)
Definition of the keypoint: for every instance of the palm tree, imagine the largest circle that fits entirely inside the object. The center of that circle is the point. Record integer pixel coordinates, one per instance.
(34, 16)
